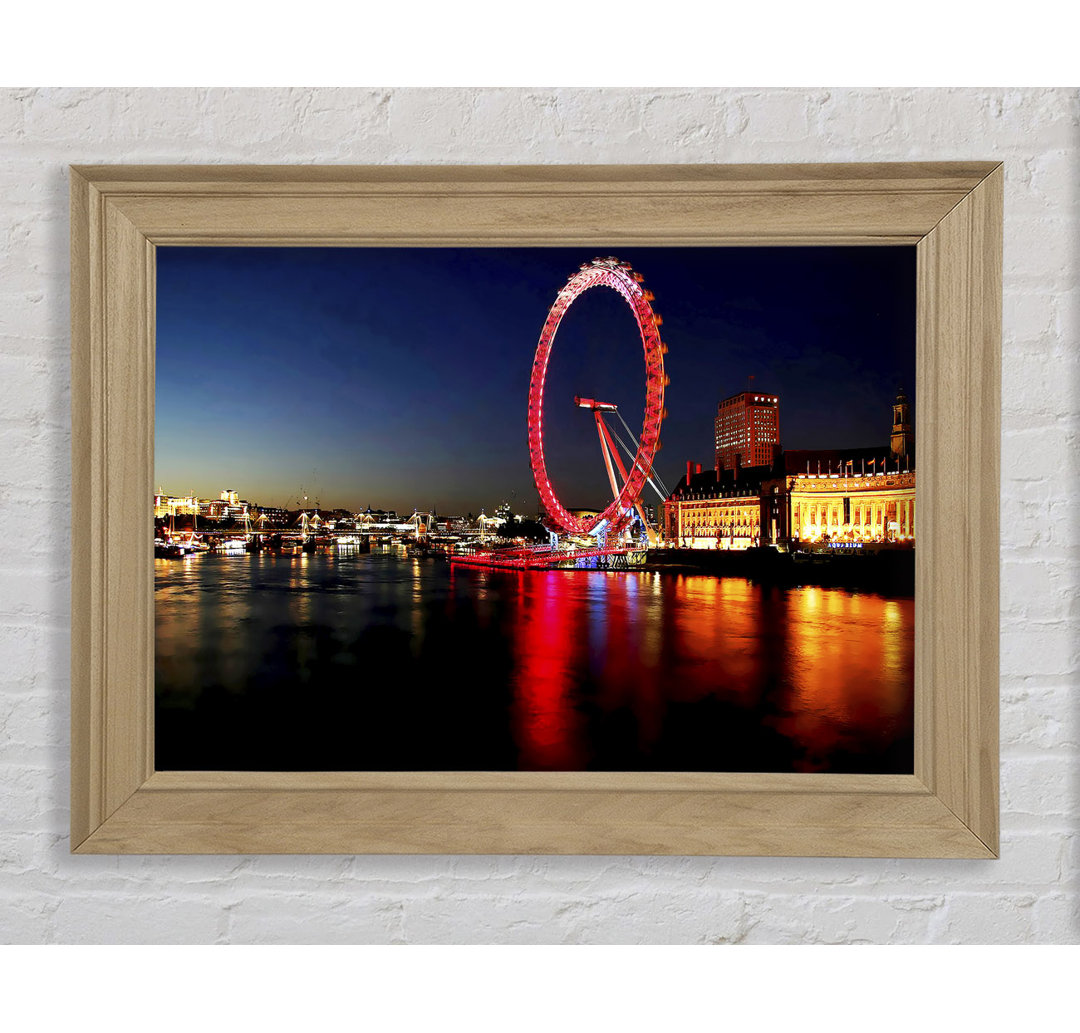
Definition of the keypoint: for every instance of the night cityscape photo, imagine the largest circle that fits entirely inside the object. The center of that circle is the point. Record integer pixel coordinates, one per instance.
(483, 509)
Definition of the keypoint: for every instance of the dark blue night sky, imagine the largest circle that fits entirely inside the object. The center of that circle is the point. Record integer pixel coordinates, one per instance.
(398, 377)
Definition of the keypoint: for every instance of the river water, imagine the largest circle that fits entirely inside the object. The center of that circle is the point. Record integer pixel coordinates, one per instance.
(377, 661)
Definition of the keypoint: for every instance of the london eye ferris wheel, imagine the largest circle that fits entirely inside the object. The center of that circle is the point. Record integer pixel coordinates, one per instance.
(620, 277)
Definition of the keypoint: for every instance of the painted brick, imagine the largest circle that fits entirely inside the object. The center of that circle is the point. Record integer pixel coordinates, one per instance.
(1006, 918)
(160, 917)
(683, 916)
(1035, 589)
(1040, 717)
(1056, 914)
(323, 918)
(828, 918)
(1037, 649)
(1042, 784)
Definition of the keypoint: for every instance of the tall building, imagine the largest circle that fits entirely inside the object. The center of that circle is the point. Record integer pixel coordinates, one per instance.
(747, 431)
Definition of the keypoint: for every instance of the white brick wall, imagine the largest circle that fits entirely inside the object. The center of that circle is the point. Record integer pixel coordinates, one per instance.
(1030, 895)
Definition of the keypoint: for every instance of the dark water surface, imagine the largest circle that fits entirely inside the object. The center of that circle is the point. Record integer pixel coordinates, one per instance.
(382, 662)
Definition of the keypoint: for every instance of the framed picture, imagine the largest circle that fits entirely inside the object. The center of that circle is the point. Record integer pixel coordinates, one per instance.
(433, 607)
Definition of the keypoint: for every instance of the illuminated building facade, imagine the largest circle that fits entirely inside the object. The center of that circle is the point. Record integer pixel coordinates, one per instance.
(763, 509)
(221, 509)
(877, 507)
(716, 509)
(273, 516)
(228, 507)
(747, 429)
(175, 505)
(807, 497)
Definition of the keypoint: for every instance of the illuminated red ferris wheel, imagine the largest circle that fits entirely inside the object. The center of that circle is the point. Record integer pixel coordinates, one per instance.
(602, 272)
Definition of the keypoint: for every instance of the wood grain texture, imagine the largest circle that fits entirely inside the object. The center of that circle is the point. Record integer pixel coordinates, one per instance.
(959, 363)
(128, 475)
(961, 176)
(87, 763)
(947, 809)
(621, 781)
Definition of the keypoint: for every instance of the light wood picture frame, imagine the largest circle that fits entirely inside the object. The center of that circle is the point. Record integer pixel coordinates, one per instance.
(951, 212)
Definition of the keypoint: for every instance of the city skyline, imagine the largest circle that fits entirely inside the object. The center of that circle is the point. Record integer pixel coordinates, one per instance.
(397, 378)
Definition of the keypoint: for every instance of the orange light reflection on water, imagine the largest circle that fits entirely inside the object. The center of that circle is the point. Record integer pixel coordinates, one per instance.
(849, 658)
(826, 668)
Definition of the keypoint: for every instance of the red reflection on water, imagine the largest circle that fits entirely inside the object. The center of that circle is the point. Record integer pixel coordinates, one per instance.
(827, 669)
(550, 621)
(616, 671)
(625, 658)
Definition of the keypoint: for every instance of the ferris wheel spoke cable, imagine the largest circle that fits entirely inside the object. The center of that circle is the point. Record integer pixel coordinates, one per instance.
(653, 477)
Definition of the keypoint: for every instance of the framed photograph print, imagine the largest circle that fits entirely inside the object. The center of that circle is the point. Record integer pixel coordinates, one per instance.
(394, 535)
